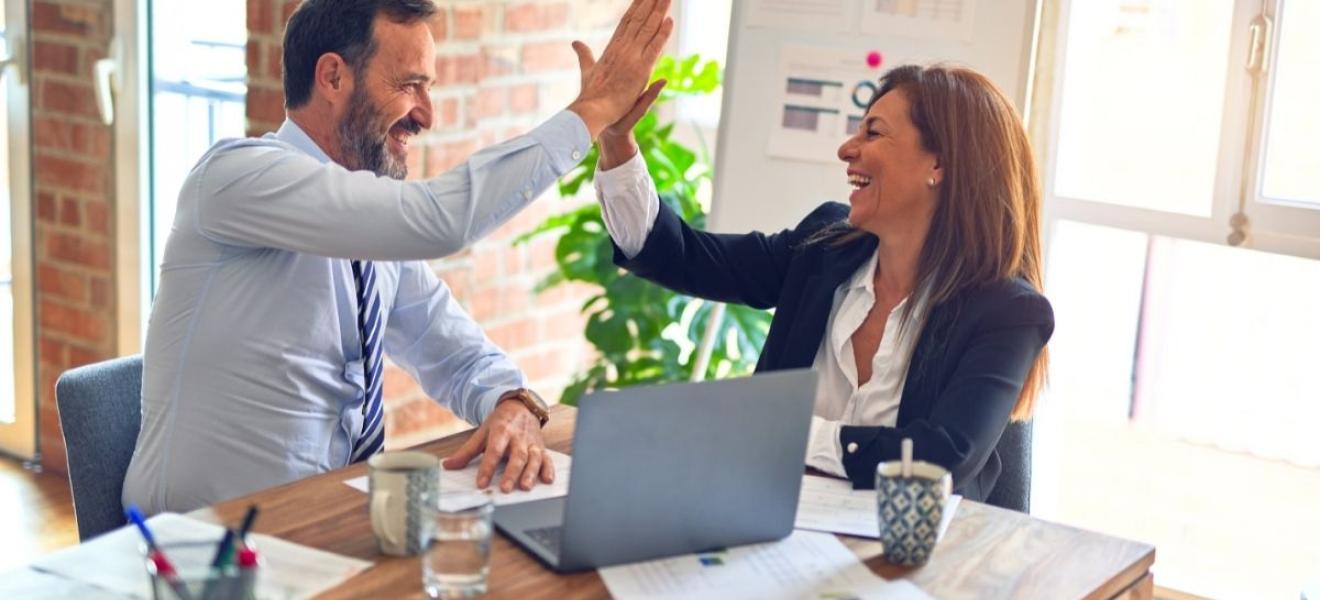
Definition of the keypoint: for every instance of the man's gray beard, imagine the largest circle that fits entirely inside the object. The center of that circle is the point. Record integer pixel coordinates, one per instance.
(361, 146)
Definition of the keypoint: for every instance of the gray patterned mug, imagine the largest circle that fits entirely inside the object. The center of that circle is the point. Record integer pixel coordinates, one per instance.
(399, 484)
(910, 509)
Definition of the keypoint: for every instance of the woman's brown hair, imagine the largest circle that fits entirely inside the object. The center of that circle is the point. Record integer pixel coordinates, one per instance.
(986, 224)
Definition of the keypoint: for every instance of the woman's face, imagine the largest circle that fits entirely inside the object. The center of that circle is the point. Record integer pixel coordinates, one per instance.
(888, 169)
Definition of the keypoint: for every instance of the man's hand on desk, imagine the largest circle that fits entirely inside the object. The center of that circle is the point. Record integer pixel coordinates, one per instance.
(513, 432)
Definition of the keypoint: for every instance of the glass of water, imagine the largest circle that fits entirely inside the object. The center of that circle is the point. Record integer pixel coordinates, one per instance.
(457, 560)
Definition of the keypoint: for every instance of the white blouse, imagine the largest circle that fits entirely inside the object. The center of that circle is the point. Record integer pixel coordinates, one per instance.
(630, 206)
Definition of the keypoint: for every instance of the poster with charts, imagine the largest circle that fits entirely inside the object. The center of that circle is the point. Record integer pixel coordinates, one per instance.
(919, 19)
(829, 16)
(821, 100)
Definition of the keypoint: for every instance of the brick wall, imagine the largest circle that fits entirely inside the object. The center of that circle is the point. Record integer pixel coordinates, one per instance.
(502, 67)
(73, 186)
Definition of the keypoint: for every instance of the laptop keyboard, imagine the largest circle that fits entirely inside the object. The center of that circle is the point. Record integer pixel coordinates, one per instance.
(547, 537)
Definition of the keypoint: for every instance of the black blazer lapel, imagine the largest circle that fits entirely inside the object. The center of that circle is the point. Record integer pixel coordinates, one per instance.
(826, 268)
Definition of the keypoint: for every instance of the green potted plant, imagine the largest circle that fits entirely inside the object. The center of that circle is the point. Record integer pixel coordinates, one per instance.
(643, 333)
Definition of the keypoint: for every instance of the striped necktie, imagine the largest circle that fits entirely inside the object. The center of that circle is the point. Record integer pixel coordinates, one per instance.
(373, 427)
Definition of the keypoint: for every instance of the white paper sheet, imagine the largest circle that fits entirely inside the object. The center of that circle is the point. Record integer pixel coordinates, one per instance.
(920, 19)
(822, 97)
(829, 16)
(31, 584)
(804, 565)
(465, 480)
(829, 504)
(114, 561)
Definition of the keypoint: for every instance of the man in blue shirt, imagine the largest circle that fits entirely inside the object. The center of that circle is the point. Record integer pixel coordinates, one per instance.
(295, 262)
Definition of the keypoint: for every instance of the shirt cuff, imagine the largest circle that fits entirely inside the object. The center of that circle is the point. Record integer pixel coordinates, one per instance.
(823, 449)
(565, 138)
(629, 204)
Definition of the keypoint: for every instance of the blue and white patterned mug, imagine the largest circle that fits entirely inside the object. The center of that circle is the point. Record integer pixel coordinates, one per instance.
(910, 509)
(400, 484)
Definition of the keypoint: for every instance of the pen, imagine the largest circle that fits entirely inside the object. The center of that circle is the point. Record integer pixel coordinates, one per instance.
(223, 554)
(247, 524)
(164, 569)
(247, 572)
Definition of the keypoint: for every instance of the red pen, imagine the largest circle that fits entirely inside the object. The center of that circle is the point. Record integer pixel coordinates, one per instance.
(247, 571)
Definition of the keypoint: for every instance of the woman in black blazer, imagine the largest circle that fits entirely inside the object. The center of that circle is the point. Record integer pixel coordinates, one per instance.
(935, 264)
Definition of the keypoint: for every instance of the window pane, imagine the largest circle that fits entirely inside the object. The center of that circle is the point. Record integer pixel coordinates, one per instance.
(705, 31)
(6, 250)
(1292, 166)
(1142, 101)
(199, 72)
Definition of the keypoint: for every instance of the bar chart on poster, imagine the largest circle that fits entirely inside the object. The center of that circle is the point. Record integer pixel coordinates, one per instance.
(800, 74)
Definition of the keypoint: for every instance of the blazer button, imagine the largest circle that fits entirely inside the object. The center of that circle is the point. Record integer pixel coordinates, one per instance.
(852, 447)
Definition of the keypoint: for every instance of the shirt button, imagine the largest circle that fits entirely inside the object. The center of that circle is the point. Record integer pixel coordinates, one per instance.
(577, 155)
(527, 194)
(852, 447)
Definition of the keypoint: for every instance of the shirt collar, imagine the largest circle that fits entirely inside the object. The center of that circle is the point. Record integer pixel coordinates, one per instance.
(290, 133)
(864, 277)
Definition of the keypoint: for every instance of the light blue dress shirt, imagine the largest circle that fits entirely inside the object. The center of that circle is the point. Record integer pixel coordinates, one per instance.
(253, 372)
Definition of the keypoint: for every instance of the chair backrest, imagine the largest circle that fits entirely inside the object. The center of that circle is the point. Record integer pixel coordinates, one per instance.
(100, 414)
(1013, 490)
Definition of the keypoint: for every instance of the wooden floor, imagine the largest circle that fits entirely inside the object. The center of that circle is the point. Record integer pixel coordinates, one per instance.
(36, 514)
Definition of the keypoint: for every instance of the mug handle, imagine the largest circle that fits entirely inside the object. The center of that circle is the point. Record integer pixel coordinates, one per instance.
(379, 505)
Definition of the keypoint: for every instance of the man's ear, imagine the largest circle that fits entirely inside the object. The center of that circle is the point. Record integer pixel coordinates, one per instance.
(334, 79)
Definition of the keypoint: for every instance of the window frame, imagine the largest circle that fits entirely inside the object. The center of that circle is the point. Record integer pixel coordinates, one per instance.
(1272, 228)
(20, 438)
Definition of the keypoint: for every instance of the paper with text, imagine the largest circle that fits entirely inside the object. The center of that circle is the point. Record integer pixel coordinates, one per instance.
(830, 16)
(806, 564)
(829, 504)
(465, 480)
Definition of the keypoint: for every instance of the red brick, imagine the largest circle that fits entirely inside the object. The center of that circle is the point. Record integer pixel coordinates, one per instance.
(62, 17)
(515, 335)
(261, 16)
(52, 351)
(77, 250)
(59, 133)
(265, 105)
(69, 213)
(55, 56)
(275, 63)
(79, 356)
(563, 324)
(525, 18)
(252, 58)
(447, 113)
(71, 98)
(539, 57)
(45, 206)
(73, 321)
(499, 61)
(489, 102)
(523, 98)
(547, 364)
(98, 216)
(439, 25)
(500, 302)
(289, 7)
(443, 157)
(488, 261)
(100, 293)
(467, 22)
(70, 174)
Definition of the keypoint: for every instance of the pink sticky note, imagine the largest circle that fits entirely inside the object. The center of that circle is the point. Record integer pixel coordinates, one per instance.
(874, 59)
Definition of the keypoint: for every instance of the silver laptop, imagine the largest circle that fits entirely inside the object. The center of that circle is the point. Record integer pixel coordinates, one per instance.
(673, 469)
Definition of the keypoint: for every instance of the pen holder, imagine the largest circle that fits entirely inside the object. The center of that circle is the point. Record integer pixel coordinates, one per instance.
(193, 578)
(910, 509)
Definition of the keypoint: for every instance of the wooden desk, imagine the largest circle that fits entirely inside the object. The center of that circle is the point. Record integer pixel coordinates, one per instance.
(987, 553)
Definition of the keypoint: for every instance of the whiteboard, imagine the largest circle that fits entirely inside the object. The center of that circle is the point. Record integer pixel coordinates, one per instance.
(756, 186)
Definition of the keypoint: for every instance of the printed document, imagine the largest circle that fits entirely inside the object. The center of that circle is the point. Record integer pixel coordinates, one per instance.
(465, 480)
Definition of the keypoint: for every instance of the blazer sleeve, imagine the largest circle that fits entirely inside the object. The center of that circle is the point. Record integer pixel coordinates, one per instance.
(737, 268)
(971, 412)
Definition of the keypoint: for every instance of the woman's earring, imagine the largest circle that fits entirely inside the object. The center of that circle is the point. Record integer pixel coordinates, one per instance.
(931, 182)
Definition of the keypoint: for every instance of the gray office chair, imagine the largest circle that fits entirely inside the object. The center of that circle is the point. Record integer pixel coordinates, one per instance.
(1013, 490)
(100, 409)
